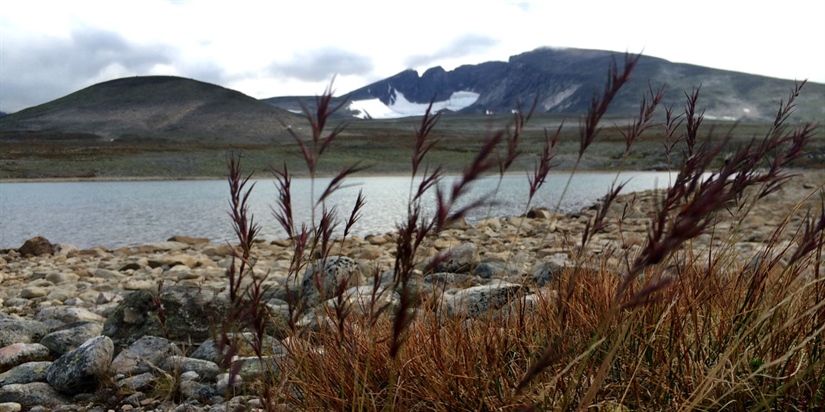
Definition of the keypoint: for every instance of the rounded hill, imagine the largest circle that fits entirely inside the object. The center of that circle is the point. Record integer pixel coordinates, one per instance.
(166, 107)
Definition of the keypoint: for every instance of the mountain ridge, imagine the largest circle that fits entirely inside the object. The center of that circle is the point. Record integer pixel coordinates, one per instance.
(175, 108)
(565, 79)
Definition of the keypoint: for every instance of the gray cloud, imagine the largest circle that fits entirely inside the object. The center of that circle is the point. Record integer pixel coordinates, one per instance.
(322, 64)
(38, 71)
(460, 47)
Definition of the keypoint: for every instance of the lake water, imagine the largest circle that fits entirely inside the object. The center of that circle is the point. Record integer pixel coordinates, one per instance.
(115, 214)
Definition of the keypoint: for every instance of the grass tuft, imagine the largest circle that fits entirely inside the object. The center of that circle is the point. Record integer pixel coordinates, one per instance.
(663, 323)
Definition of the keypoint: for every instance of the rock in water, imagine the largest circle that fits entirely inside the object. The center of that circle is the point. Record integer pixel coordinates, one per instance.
(36, 246)
(79, 370)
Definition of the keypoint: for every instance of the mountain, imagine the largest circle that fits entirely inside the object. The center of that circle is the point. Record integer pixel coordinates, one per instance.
(565, 80)
(163, 107)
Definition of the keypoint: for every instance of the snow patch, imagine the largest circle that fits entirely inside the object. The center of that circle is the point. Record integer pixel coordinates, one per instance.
(723, 118)
(401, 107)
(556, 99)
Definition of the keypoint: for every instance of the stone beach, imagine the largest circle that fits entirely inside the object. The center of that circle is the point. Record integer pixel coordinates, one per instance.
(79, 328)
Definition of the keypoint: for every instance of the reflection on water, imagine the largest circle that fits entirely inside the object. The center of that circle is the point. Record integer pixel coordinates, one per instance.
(114, 214)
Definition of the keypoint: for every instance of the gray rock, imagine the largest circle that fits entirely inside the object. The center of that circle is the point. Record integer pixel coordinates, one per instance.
(10, 407)
(26, 373)
(443, 279)
(225, 387)
(163, 247)
(21, 331)
(58, 278)
(189, 376)
(33, 292)
(528, 304)
(207, 370)
(71, 336)
(142, 382)
(20, 353)
(197, 391)
(332, 273)
(209, 350)
(189, 312)
(109, 274)
(480, 300)
(361, 300)
(36, 246)
(56, 316)
(82, 368)
(29, 395)
(144, 355)
(544, 272)
(252, 368)
(460, 259)
(495, 270)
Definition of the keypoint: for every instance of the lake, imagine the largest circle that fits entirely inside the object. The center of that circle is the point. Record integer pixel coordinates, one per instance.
(115, 214)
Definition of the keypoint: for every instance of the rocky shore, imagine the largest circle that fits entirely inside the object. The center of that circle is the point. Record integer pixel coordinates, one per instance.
(80, 329)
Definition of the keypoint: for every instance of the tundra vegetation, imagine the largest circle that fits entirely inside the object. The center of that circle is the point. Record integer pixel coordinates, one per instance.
(675, 327)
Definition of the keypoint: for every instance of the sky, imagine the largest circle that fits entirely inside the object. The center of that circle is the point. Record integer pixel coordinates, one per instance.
(49, 49)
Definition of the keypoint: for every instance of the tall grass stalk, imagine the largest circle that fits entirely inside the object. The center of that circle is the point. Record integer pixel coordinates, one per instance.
(676, 326)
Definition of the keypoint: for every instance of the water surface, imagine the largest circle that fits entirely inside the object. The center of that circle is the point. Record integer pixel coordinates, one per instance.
(115, 214)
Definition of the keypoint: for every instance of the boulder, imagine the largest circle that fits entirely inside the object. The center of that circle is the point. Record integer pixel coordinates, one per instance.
(142, 382)
(362, 299)
(446, 279)
(20, 353)
(67, 314)
(144, 355)
(495, 270)
(21, 331)
(254, 368)
(33, 394)
(459, 259)
(479, 300)
(189, 240)
(210, 351)
(25, 373)
(202, 393)
(206, 370)
(322, 279)
(71, 336)
(540, 213)
(189, 314)
(544, 272)
(36, 246)
(81, 369)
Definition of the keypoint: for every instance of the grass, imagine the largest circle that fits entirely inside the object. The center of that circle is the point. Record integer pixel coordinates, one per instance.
(674, 326)
(384, 145)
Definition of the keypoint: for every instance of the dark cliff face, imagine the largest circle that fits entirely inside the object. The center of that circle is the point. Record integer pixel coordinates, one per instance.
(565, 80)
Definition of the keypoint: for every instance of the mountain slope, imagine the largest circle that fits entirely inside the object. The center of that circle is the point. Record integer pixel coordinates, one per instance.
(153, 107)
(565, 79)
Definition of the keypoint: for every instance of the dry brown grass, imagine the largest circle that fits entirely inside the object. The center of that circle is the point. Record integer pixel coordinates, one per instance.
(678, 328)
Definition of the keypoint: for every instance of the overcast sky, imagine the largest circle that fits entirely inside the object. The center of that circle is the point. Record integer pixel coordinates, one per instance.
(273, 48)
